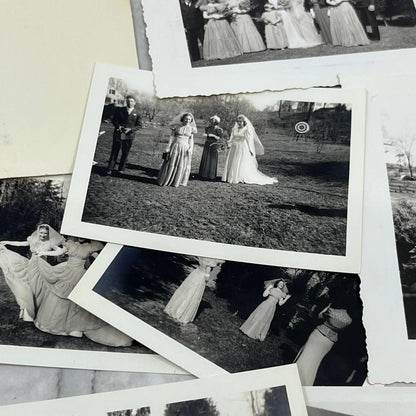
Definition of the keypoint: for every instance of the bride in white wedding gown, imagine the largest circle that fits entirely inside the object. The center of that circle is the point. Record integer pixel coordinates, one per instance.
(241, 164)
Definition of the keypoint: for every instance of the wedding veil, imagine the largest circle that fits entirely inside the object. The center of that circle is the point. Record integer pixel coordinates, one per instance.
(252, 135)
(176, 122)
(54, 237)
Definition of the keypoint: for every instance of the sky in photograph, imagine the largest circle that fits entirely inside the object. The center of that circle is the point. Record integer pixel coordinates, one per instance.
(398, 122)
(231, 405)
(263, 99)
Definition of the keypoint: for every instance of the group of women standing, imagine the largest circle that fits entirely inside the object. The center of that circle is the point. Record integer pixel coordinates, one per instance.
(41, 289)
(230, 28)
(240, 166)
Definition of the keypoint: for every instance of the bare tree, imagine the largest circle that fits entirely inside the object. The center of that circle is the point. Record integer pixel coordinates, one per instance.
(405, 150)
(119, 85)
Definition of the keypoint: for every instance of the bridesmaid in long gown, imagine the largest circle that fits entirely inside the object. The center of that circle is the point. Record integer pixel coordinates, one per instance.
(273, 28)
(320, 342)
(51, 285)
(16, 267)
(183, 305)
(258, 323)
(294, 38)
(304, 23)
(245, 30)
(220, 41)
(209, 160)
(241, 164)
(346, 28)
(320, 11)
(176, 168)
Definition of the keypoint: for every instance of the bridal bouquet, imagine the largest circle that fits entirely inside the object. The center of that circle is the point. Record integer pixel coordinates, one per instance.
(220, 145)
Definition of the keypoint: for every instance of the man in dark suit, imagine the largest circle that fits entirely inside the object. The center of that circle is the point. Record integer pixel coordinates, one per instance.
(193, 23)
(126, 121)
(366, 11)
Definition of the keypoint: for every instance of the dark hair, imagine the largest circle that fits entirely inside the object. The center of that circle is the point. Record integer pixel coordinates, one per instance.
(130, 97)
(186, 115)
(242, 118)
(43, 227)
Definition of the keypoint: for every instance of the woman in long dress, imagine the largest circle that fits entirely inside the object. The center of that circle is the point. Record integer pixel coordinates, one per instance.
(176, 167)
(245, 30)
(209, 160)
(241, 164)
(320, 13)
(346, 28)
(294, 38)
(258, 323)
(16, 267)
(220, 41)
(320, 342)
(304, 23)
(273, 28)
(184, 303)
(51, 285)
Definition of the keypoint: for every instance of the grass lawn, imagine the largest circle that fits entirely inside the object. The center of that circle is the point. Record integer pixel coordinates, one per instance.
(306, 211)
(142, 282)
(392, 37)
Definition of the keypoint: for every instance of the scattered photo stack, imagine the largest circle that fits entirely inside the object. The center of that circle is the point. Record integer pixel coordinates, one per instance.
(237, 235)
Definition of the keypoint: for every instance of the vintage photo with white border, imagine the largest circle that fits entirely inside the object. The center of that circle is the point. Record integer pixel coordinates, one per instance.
(38, 269)
(389, 347)
(211, 315)
(360, 401)
(294, 201)
(307, 62)
(274, 388)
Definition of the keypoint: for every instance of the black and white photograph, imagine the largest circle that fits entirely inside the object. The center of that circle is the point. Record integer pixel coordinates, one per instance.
(246, 172)
(265, 402)
(39, 267)
(221, 32)
(262, 392)
(209, 39)
(367, 401)
(238, 316)
(390, 349)
(399, 139)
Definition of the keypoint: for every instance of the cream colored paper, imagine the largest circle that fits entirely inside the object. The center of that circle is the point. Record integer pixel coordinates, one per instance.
(48, 50)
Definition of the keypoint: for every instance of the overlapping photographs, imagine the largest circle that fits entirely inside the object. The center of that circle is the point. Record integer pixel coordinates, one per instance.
(366, 401)
(38, 269)
(265, 392)
(202, 44)
(288, 194)
(385, 286)
(399, 139)
(209, 315)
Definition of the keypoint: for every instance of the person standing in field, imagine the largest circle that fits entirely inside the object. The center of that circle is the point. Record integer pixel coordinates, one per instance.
(126, 121)
(176, 167)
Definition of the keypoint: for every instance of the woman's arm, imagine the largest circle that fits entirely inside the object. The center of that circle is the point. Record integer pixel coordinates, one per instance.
(171, 138)
(15, 243)
(250, 143)
(282, 301)
(267, 291)
(55, 253)
(323, 311)
(191, 143)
